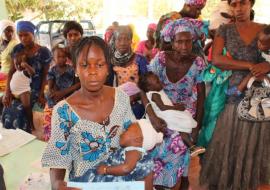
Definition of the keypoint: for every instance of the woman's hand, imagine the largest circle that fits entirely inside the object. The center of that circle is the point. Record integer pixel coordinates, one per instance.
(101, 170)
(159, 124)
(7, 98)
(260, 69)
(41, 99)
(24, 65)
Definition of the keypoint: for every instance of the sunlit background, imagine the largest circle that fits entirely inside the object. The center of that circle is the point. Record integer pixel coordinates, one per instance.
(103, 12)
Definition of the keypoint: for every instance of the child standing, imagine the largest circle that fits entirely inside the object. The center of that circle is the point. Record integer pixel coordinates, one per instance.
(20, 85)
(61, 83)
(176, 117)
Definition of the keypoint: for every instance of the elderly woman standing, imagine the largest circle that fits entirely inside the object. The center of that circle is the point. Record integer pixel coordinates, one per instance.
(180, 71)
(127, 65)
(37, 57)
(7, 43)
(238, 155)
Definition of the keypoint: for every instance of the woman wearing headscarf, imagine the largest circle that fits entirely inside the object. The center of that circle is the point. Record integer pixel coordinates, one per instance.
(7, 43)
(147, 47)
(180, 71)
(127, 66)
(191, 9)
(38, 58)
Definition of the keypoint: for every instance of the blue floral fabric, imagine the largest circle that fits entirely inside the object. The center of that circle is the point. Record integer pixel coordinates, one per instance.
(143, 168)
(61, 80)
(80, 145)
(171, 157)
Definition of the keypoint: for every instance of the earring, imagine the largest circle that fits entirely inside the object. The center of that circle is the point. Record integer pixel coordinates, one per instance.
(76, 75)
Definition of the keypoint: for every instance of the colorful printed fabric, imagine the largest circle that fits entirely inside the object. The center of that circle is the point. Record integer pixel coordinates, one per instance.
(47, 122)
(165, 19)
(171, 160)
(182, 25)
(144, 51)
(134, 69)
(183, 91)
(143, 168)
(61, 80)
(79, 145)
(172, 156)
(195, 2)
(15, 116)
(39, 61)
(152, 26)
(127, 74)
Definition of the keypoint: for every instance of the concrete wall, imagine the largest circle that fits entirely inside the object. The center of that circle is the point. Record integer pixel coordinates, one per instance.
(3, 11)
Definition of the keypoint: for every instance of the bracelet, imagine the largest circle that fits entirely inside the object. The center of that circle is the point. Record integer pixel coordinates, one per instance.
(147, 106)
(145, 109)
(105, 170)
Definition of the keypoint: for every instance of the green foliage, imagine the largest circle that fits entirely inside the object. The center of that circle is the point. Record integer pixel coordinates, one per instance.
(52, 9)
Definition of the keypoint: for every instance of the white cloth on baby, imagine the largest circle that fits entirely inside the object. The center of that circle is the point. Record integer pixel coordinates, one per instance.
(181, 121)
(19, 83)
(150, 136)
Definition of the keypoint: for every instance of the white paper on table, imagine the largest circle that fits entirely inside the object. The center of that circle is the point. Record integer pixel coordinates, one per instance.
(134, 185)
(13, 139)
(36, 181)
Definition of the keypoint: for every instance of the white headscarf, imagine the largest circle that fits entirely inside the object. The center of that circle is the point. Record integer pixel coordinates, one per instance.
(3, 25)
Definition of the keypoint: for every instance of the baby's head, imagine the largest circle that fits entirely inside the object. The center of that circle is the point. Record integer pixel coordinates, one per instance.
(59, 55)
(264, 40)
(150, 82)
(18, 59)
(141, 134)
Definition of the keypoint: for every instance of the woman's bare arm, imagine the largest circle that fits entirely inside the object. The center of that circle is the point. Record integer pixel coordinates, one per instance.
(132, 157)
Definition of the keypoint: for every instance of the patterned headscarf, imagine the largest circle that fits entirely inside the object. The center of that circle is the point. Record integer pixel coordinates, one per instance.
(182, 25)
(119, 59)
(195, 2)
(165, 19)
(152, 26)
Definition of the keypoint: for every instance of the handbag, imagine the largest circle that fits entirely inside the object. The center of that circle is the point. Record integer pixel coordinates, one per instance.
(255, 106)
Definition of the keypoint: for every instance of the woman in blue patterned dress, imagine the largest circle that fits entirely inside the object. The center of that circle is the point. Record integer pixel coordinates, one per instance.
(39, 58)
(180, 71)
(86, 127)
